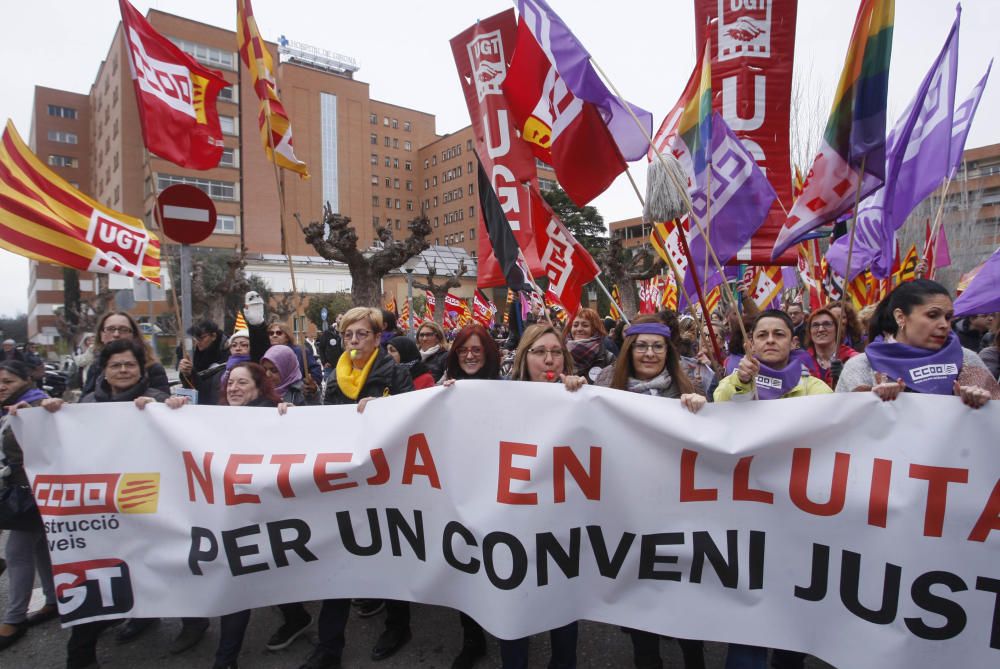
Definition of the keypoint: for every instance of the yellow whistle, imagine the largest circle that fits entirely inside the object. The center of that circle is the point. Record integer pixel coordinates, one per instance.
(354, 353)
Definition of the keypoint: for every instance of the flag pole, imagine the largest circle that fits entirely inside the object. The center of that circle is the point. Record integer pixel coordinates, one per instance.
(617, 306)
(850, 251)
(679, 186)
(932, 240)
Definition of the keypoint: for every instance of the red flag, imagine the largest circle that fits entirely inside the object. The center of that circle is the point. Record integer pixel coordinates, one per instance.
(176, 96)
(482, 55)
(562, 130)
(566, 263)
(481, 311)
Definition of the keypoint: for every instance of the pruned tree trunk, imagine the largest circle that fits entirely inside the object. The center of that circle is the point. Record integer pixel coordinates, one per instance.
(335, 239)
(623, 269)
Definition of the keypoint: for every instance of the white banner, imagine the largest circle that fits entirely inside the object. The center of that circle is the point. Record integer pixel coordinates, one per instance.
(855, 530)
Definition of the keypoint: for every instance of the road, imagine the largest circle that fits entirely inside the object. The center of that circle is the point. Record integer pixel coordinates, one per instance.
(436, 641)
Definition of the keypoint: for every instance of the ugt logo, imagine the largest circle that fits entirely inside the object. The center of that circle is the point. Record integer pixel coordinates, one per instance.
(744, 28)
(93, 589)
(489, 68)
(118, 242)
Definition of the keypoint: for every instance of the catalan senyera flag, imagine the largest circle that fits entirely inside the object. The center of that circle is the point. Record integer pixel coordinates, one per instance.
(852, 153)
(275, 127)
(42, 217)
(908, 268)
(668, 299)
(615, 299)
(389, 303)
(404, 314)
(241, 323)
(712, 299)
(766, 286)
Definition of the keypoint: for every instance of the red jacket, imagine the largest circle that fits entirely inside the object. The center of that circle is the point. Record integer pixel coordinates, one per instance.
(825, 375)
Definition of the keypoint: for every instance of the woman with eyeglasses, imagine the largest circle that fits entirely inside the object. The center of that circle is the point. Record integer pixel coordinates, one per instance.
(364, 373)
(473, 355)
(26, 549)
(280, 334)
(825, 360)
(115, 326)
(125, 379)
(649, 364)
(433, 347)
(542, 356)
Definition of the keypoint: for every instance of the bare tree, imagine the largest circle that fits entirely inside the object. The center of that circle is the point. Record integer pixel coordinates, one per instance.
(213, 278)
(440, 290)
(624, 268)
(808, 109)
(335, 239)
(84, 319)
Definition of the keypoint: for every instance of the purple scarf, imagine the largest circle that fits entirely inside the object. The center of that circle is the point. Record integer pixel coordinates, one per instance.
(922, 370)
(30, 395)
(286, 361)
(772, 384)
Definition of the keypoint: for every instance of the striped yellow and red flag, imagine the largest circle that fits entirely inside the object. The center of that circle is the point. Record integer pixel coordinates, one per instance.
(908, 268)
(389, 302)
(615, 299)
(712, 299)
(275, 128)
(668, 300)
(506, 306)
(404, 314)
(44, 218)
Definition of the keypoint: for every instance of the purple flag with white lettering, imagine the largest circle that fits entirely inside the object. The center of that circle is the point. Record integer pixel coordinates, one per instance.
(963, 121)
(741, 199)
(572, 61)
(982, 296)
(918, 160)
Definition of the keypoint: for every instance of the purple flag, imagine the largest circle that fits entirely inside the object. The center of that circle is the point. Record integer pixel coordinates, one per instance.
(741, 199)
(918, 160)
(572, 61)
(963, 121)
(982, 296)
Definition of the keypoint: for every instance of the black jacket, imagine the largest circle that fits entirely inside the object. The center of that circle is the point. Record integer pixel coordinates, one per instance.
(969, 338)
(437, 363)
(103, 393)
(260, 342)
(208, 385)
(330, 347)
(385, 378)
(156, 374)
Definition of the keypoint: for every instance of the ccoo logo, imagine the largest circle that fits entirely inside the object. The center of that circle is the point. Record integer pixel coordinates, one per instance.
(85, 494)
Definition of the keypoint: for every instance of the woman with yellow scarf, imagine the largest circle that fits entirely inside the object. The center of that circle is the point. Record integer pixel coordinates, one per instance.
(364, 372)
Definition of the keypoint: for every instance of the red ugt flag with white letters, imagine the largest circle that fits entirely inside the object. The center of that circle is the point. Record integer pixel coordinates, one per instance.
(176, 96)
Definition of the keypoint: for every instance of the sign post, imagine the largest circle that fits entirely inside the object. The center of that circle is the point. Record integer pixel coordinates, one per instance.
(187, 215)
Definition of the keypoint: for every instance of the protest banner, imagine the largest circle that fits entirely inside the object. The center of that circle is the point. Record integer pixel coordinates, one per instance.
(855, 530)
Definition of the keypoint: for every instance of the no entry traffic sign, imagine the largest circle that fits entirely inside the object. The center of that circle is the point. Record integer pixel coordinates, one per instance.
(187, 213)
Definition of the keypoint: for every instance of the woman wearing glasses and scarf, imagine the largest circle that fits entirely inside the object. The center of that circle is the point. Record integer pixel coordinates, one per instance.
(650, 365)
(116, 326)
(825, 360)
(586, 341)
(364, 372)
(542, 356)
(280, 334)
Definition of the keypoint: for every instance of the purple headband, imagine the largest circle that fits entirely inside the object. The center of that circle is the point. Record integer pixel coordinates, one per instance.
(648, 328)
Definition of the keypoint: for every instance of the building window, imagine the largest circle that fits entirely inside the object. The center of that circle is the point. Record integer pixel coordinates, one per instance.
(408, 146)
(546, 184)
(374, 180)
(374, 160)
(436, 201)
(408, 166)
(63, 161)
(468, 145)
(409, 185)
(228, 125)
(435, 221)
(375, 201)
(228, 94)
(116, 163)
(385, 121)
(395, 143)
(388, 203)
(228, 158)
(388, 182)
(407, 126)
(374, 139)
(217, 190)
(373, 119)
(395, 124)
(388, 161)
(395, 184)
(63, 137)
(388, 141)
(472, 233)
(397, 224)
(434, 160)
(434, 181)
(472, 212)
(207, 54)
(395, 163)
(427, 164)
(470, 189)
(397, 203)
(409, 205)
(62, 112)
(469, 167)
(225, 224)
(458, 171)
(427, 184)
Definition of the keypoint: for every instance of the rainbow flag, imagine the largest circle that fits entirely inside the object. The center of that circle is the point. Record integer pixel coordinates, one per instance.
(695, 124)
(275, 127)
(852, 154)
(44, 218)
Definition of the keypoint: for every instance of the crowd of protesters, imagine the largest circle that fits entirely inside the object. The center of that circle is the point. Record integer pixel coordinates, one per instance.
(366, 354)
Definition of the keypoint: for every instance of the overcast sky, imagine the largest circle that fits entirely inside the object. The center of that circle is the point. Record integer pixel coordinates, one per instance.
(645, 46)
